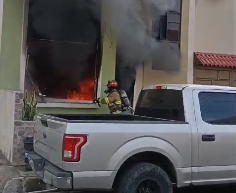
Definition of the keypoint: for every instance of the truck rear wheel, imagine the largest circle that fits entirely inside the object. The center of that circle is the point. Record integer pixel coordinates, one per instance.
(144, 178)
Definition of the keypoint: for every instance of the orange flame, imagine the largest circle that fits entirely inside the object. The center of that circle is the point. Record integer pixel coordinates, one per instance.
(85, 91)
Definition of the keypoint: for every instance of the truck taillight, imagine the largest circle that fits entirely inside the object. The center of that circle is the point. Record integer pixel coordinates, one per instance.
(72, 145)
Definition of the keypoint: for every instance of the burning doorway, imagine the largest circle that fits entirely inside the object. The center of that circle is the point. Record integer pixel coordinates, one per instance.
(63, 47)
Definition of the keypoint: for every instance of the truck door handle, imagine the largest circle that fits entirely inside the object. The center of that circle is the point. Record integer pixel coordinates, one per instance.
(208, 138)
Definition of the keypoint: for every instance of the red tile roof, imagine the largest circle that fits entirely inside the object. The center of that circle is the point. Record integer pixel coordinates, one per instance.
(217, 60)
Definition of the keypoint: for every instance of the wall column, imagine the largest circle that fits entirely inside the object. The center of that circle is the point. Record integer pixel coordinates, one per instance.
(1, 14)
(108, 47)
(139, 82)
(191, 7)
(11, 41)
(23, 56)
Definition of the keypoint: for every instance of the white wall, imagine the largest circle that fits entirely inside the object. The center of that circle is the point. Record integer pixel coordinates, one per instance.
(7, 113)
(215, 26)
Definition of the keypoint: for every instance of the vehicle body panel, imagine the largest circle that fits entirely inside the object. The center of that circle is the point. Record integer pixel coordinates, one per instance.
(217, 160)
(117, 142)
(111, 141)
(48, 140)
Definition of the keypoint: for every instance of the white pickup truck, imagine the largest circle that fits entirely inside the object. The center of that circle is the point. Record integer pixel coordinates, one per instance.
(180, 135)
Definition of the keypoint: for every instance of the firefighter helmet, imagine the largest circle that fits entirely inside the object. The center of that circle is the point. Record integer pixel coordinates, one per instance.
(112, 84)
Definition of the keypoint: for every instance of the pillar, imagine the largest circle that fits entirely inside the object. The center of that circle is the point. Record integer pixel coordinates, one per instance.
(11, 43)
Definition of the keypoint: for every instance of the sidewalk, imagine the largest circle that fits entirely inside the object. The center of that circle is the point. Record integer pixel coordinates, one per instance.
(16, 180)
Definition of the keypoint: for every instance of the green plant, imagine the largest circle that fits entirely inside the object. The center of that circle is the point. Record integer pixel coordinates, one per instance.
(29, 107)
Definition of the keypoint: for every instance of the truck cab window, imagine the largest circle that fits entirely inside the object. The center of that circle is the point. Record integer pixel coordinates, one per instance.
(164, 104)
(218, 108)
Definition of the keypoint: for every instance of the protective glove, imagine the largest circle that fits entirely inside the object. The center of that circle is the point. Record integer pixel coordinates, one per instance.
(97, 101)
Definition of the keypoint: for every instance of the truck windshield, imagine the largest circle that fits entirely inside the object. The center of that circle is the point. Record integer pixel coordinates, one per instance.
(165, 104)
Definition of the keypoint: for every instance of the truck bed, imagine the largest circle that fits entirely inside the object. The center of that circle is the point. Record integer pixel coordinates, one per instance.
(96, 118)
(102, 131)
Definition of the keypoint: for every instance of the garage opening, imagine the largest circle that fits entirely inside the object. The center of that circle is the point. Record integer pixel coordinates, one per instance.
(63, 48)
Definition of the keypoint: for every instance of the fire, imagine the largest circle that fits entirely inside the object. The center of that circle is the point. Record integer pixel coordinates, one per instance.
(85, 91)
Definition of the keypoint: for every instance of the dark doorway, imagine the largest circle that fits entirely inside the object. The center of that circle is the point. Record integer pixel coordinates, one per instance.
(126, 76)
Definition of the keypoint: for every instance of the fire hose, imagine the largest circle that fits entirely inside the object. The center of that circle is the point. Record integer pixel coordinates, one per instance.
(131, 110)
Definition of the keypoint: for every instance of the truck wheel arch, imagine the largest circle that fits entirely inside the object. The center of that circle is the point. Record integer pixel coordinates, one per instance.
(145, 146)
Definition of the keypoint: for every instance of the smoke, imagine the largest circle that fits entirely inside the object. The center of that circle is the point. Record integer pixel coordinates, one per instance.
(74, 33)
(129, 21)
(135, 42)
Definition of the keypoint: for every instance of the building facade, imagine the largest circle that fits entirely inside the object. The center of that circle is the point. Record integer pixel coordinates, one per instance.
(203, 30)
(18, 52)
(208, 51)
(215, 43)
(208, 47)
(146, 75)
(14, 57)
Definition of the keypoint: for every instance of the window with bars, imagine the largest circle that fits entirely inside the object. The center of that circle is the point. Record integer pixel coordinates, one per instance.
(169, 25)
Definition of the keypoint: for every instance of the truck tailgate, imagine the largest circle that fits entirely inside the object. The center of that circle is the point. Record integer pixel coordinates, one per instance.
(48, 139)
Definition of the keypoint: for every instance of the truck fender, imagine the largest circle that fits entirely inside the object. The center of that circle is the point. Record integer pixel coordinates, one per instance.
(144, 144)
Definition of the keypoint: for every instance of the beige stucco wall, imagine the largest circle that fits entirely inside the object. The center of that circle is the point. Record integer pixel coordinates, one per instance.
(216, 26)
(146, 76)
(234, 40)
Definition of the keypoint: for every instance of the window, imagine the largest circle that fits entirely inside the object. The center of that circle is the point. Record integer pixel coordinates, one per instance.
(168, 26)
(173, 26)
(218, 108)
(64, 51)
(165, 104)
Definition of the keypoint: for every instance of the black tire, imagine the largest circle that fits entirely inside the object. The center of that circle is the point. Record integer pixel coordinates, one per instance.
(140, 173)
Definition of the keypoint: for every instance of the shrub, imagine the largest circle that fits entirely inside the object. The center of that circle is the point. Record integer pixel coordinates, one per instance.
(29, 107)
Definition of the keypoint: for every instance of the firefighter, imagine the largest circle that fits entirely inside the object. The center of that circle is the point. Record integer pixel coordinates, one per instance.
(113, 99)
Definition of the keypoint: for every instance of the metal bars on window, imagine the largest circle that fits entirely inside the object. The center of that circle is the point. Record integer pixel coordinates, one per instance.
(173, 26)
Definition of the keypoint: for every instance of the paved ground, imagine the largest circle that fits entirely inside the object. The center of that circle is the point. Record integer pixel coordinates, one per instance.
(214, 189)
(7, 172)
